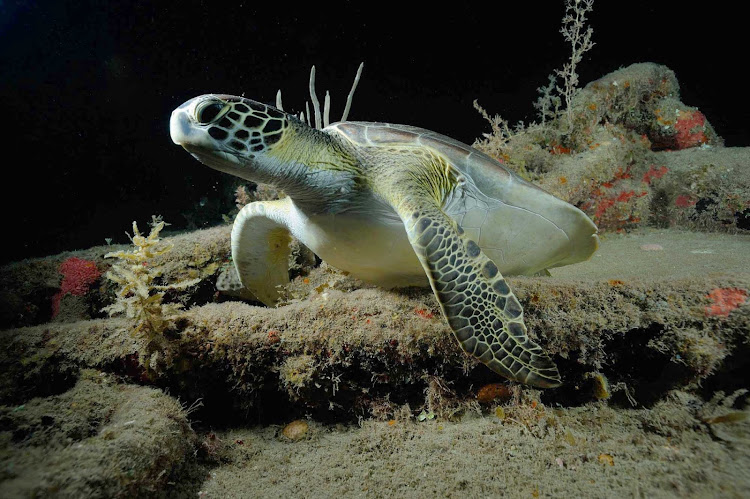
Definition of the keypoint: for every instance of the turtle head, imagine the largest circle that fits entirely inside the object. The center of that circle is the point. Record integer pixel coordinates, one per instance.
(230, 134)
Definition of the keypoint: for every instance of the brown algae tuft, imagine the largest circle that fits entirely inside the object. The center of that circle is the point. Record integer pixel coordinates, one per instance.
(140, 298)
(599, 386)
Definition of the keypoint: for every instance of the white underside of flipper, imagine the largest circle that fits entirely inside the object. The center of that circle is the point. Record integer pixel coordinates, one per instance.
(260, 247)
(374, 249)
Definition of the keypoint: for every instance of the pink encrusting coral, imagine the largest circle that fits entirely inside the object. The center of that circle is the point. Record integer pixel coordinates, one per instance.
(724, 300)
(612, 204)
(685, 201)
(691, 130)
(78, 276)
(654, 173)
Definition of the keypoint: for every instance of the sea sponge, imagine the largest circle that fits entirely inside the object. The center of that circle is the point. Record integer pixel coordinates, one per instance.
(494, 392)
(78, 276)
(724, 300)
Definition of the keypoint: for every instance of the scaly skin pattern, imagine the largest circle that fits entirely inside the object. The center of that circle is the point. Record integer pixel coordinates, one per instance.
(482, 311)
(480, 307)
(262, 144)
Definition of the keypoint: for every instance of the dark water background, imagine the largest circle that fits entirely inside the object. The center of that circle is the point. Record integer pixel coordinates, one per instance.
(87, 88)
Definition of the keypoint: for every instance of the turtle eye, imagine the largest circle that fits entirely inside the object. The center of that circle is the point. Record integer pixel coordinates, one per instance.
(209, 111)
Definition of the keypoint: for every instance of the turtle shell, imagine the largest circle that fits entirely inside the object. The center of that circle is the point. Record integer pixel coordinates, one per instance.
(489, 175)
(526, 216)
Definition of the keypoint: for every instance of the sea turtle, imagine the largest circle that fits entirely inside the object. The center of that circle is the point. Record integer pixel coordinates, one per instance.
(394, 205)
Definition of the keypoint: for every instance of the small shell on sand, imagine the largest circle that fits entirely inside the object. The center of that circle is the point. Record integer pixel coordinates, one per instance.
(296, 430)
(651, 247)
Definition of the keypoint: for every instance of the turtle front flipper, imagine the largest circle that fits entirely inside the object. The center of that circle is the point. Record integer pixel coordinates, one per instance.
(260, 248)
(482, 311)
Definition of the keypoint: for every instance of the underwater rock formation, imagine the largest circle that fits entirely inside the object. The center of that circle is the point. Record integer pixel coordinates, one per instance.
(337, 345)
(100, 438)
(634, 156)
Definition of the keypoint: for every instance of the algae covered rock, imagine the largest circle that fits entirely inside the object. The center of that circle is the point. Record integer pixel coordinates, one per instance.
(645, 98)
(36, 290)
(98, 439)
(630, 153)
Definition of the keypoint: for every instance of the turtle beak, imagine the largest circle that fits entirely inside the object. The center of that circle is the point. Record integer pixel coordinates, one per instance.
(180, 126)
(192, 137)
(195, 139)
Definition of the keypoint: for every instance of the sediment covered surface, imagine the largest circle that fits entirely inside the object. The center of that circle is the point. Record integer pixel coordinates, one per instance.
(652, 336)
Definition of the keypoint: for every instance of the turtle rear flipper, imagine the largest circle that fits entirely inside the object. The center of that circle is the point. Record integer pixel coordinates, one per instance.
(260, 248)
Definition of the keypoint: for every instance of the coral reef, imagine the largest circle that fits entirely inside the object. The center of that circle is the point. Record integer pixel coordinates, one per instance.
(645, 98)
(650, 335)
(658, 319)
(622, 148)
(338, 348)
(28, 287)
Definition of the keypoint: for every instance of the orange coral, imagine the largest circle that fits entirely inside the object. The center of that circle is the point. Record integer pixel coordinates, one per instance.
(78, 276)
(273, 336)
(684, 201)
(612, 205)
(724, 300)
(559, 149)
